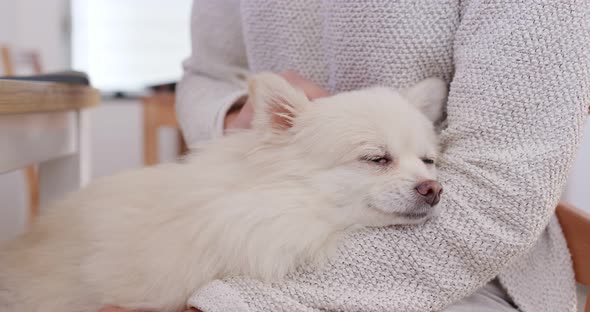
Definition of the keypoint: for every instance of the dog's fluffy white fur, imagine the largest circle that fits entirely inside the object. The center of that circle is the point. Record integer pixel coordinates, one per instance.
(257, 202)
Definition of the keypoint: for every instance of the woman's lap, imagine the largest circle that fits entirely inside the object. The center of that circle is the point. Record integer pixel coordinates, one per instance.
(490, 298)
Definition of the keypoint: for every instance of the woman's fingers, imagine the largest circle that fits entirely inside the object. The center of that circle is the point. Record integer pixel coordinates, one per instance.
(310, 88)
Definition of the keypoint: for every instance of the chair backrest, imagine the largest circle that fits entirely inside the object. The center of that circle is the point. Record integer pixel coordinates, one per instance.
(576, 228)
(15, 60)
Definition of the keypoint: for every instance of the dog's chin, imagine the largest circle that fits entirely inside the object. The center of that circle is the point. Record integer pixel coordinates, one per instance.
(414, 215)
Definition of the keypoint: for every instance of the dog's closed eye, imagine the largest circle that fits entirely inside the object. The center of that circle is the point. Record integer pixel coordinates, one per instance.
(428, 161)
(381, 160)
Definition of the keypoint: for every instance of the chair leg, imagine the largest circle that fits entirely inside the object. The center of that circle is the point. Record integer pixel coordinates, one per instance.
(32, 179)
(182, 148)
(150, 133)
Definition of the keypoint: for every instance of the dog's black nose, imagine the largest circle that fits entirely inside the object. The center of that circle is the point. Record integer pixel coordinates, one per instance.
(430, 190)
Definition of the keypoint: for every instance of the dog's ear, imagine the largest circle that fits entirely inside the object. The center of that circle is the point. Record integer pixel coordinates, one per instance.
(429, 96)
(276, 103)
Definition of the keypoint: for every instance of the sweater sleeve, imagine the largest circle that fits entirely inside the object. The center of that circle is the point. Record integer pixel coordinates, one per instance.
(215, 73)
(517, 102)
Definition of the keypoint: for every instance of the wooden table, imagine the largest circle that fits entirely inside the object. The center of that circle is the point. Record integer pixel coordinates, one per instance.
(46, 124)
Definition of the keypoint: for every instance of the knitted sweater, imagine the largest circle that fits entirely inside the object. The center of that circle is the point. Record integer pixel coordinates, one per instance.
(519, 75)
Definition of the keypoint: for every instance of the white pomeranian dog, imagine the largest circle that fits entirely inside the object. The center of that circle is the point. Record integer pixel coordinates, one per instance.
(257, 203)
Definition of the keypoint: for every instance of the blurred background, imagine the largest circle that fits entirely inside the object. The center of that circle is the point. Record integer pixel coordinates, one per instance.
(127, 48)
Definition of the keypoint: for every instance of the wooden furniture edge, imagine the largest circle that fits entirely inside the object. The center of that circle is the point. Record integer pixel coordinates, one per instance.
(17, 96)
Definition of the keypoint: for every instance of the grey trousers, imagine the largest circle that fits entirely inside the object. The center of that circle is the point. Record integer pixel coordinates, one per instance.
(490, 298)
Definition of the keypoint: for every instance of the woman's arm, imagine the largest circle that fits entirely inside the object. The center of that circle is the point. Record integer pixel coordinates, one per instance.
(215, 73)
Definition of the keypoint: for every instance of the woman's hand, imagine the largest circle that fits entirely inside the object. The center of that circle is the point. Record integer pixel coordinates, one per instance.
(242, 119)
(311, 89)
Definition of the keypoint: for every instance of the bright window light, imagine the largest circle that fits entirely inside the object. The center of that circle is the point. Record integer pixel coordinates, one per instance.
(127, 45)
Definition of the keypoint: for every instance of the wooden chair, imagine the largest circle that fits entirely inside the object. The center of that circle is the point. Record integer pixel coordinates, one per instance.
(576, 228)
(159, 111)
(10, 61)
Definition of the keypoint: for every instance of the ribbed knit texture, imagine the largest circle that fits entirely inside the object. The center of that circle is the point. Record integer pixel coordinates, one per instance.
(519, 74)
